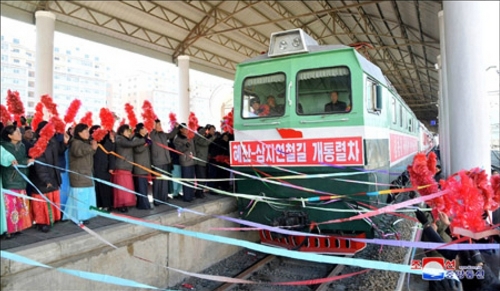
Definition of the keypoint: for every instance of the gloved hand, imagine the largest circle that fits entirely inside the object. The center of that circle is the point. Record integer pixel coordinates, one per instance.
(421, 217)
(471, 257)
(149, 142)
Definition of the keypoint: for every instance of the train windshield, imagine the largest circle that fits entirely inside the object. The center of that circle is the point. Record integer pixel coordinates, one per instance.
(324, 91)
(263, 96)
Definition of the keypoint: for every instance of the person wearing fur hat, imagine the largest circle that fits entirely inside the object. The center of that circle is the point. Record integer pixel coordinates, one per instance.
(186, 146)
(202, 141)
(143, 158)
(160, 158)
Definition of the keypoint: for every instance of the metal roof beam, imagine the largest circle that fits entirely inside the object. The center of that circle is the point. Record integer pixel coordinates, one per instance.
(212, 18)
(386, 52)
(396, 23)
(417, 8)
(293, 17)
(405, 34)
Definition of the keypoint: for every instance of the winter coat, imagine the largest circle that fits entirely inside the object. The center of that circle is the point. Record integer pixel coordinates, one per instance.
(173, 154)
(202, 143)
(11, 179)
(187, 147)
(41, 175)
(160, 155)
(81, 160)
(104, 162)
(141, 156)
(125, 148)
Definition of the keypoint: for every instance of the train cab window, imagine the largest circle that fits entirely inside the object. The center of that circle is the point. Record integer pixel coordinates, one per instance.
(324, 91)
(263, 96)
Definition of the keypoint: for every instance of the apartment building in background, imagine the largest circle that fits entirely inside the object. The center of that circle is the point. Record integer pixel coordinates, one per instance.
(77, 75)
(102, 76)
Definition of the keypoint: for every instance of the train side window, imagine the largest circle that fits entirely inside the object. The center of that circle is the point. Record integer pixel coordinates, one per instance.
(263, 96)
(410, 127)
(400, 115)
(373, 95)
(324, 91)
(394, 113)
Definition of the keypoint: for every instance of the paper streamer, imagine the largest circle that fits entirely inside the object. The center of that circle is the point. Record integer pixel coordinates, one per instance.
(79, 223)
(390, 208)
(240, 221)
(378, 265)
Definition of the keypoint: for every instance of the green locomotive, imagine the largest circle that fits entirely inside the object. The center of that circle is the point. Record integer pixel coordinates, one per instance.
(311, 112)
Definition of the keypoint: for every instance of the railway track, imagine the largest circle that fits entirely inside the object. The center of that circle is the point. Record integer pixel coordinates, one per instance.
(276, 269)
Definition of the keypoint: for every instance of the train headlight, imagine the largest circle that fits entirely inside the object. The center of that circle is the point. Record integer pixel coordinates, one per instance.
(283, 45)
(290, 42)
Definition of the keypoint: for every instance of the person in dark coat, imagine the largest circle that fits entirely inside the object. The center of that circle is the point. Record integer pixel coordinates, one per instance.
(213, 151)
(48, 180)
(176, 171)
(465, 258)
(202, 141)
(104, 165)
(335, 105)
(186, 146)
(122, 175)
(160, 158)
(28, 138)
(143, 158)
(222, 159)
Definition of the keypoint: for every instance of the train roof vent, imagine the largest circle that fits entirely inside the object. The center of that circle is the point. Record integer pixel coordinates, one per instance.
(290, 42)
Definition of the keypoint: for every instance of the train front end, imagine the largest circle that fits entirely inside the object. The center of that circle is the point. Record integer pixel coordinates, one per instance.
(300, 145)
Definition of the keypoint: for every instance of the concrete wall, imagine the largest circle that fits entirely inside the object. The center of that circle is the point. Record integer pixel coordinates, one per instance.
(86, 253)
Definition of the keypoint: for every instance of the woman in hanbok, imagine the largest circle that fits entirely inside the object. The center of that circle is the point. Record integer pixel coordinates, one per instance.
(47, 180)
(81, 163)
(122, 175)
(16, 208)
(7, 159)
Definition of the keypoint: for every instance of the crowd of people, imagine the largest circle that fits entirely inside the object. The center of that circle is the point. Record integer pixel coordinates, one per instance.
(76, 172)
(437, 229)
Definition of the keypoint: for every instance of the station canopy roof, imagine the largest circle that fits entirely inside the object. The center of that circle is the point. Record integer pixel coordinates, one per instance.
(401, 37)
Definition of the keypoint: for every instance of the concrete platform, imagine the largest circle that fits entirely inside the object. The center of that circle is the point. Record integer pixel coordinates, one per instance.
(67, 246)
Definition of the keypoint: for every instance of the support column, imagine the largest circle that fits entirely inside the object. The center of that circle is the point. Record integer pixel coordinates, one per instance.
(466, 26)
(183, 64)
(444, 119)
(44, 58)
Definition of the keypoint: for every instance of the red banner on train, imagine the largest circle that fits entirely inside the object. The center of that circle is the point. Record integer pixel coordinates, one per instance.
(402, 146)
(298, 152)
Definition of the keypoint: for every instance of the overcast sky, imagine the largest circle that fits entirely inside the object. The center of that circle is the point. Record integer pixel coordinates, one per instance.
(93, 48)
